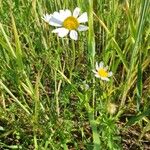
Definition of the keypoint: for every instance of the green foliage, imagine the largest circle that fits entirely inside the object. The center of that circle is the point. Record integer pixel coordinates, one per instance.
(49, 97)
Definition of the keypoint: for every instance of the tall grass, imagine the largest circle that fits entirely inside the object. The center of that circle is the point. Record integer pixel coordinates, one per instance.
(49, 97)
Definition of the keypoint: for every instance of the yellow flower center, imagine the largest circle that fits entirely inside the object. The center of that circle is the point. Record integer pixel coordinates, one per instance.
(102, 72)
(71, 23)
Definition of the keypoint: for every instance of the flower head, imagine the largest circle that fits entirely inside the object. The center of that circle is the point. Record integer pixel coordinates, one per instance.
(102, 72)
(67, 22)
(111, 108)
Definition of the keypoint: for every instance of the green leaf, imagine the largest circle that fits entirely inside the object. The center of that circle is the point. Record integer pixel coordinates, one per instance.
(137, 118)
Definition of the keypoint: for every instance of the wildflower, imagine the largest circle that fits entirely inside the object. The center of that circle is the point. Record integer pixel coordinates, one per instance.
(67, 22)
(111, 108)
(101, 71)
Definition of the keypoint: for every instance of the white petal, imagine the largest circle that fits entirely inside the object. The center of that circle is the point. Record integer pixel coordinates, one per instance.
(82, 28)
(52, 19)
(67, 13)
(76, 12)
(57, 16)
(106, 68)
(61, 32)
(110, 74)
(94, 71)
(61, 12)
(96, 75)
(55, 22)
(101, 64)
(105, 78)
(64, 14)
(83, 18)
(47, 17)
(73, 35)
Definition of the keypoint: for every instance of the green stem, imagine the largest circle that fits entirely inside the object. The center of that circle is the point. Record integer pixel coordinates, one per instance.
(91, 54)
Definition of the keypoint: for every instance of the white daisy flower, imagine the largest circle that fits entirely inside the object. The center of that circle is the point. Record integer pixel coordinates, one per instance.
(67, 22)
(101, 72)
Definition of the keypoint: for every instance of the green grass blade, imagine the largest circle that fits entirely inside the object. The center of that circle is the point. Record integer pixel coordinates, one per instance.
(91, 53)
(136, 50)
(17, 44)
(135, 119)
(12, 52)
(118, 49)
(15, 99)
(144, 12)
(139, 86)
(130, 19)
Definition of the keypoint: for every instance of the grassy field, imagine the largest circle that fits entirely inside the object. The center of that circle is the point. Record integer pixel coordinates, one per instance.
(50, 98)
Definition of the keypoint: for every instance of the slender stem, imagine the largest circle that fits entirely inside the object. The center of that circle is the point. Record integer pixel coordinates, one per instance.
(91, 43)
(35, 141)
(91, 54)
(56, 95)
(74, 56)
